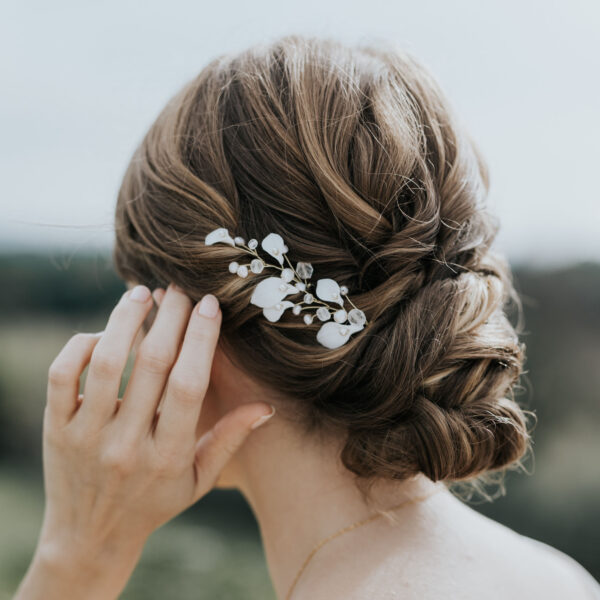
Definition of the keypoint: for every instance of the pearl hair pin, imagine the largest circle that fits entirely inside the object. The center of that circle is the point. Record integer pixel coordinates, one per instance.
(325, 302)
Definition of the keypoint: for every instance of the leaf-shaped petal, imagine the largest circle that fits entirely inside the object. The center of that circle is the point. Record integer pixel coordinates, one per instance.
(333, 335)
(270, 291)
(219, 235)
(273, 245)
(354, 327)
(273, 313)
(329, 290)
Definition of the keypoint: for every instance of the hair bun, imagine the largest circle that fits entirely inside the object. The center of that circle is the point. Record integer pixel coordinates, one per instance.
(448, 408)
(444, 444)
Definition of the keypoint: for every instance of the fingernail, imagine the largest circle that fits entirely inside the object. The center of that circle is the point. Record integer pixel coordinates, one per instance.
(209, 306)
(176, 288)
(158, 294)
(140, 293)
(261, 420)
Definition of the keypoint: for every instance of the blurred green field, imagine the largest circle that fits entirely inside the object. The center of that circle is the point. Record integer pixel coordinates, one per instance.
(213, 550)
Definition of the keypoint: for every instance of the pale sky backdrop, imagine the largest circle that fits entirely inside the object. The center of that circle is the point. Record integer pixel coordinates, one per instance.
(81, 82)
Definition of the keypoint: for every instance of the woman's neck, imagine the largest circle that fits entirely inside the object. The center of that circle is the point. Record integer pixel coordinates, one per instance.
(301, 493)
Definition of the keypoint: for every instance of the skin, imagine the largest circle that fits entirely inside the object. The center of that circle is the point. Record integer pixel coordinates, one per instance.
(116, 469)
(113, 471)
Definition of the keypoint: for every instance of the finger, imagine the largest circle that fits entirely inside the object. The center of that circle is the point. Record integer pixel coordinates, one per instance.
(190, 375)
(80, 400)
(216, 447)
(64, 374)
(153, 362)
(110, 357)
(158, 294)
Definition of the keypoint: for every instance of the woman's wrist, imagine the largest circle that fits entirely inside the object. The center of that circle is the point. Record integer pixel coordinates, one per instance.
(56, 574)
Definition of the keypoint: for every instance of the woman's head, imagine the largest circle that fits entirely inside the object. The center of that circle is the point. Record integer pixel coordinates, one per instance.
(353, 156)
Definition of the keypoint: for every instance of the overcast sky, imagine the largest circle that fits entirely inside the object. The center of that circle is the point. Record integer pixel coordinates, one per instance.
(82, 81)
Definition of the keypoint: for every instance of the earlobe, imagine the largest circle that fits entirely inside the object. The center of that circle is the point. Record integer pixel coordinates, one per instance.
(227, 479)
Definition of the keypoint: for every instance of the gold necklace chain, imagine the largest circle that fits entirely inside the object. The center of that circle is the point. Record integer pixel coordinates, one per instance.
(350, 528)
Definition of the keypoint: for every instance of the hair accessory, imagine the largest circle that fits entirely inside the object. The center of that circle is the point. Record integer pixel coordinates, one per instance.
(326, 302)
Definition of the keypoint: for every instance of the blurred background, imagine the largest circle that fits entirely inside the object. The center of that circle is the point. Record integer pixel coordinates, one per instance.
(83, 81)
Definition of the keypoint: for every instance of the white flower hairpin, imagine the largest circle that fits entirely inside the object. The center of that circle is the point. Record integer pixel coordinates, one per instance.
(271, 293)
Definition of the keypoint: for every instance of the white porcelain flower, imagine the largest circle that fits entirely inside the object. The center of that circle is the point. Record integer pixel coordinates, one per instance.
(333, 335)
(271, 291)
(329, 291)
(273, 244)
(273, 313)
(219, 235)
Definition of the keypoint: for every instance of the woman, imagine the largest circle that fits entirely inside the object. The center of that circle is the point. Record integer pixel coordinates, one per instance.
(357, 360)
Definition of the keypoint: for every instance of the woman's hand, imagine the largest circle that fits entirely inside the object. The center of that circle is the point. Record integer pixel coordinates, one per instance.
(115, 470)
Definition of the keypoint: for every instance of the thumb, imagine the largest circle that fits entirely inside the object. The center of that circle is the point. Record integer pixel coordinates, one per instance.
(216, 447)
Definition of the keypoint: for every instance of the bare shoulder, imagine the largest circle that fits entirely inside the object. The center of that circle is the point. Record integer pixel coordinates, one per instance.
(570, 569)
(446, 549)
(525, 563)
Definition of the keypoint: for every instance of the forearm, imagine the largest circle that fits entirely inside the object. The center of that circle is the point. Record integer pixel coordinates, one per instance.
(54, 577)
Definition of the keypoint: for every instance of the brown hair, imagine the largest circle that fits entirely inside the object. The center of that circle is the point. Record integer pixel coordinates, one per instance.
(353, 156)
